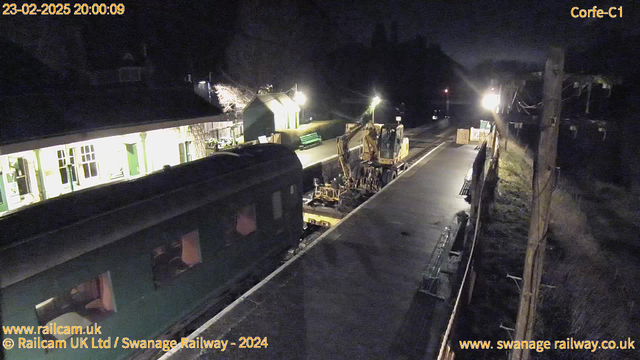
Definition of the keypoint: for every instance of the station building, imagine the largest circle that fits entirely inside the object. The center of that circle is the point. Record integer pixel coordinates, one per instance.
(53, 144)
(269, 113)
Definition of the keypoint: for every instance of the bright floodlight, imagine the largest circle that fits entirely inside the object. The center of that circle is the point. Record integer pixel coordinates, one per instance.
(376, 100)
(446, 91)
(490, 101)
(299, 98)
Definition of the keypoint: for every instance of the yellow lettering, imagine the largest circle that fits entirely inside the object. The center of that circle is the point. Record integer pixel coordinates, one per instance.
(572, 9)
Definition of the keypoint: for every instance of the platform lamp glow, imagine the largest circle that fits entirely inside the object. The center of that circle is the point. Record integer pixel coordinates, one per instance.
(491, 102)
(446, 94)
(300, 99)
(374, 102)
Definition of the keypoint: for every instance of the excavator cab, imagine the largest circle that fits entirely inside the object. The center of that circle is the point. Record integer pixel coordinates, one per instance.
(392, 146)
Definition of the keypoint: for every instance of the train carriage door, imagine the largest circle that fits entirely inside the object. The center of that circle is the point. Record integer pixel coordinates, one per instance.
(132, 159)
(293, 208)
(278, 210)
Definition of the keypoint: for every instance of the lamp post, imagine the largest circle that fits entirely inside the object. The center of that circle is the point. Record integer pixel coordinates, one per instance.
(446, 93)
(374, 102)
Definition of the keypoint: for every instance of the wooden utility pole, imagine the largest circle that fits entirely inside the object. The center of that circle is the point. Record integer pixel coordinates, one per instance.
(543, 179)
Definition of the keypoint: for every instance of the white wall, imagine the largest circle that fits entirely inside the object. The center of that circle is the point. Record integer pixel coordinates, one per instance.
(160, 146)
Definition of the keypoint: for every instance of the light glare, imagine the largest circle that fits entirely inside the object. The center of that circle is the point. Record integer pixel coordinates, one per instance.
(300, 98)
(490, 101)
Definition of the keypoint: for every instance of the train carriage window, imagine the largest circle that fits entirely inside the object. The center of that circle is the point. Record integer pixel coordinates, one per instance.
(240, 223)
(175, 257)
(294, 197)
(246, 220)
(83, 305)
(276, 201)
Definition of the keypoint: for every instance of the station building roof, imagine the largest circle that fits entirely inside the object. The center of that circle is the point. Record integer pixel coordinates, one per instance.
(277, 102)
(31, 117)
(39, 107)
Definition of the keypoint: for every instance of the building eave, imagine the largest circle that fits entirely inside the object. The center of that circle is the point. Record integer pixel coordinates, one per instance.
(68, 138)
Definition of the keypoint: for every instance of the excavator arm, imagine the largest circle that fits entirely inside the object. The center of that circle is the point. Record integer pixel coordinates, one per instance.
(342, 143)
(369, 144)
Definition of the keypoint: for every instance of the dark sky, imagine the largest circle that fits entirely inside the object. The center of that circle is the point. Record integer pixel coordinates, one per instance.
(471, 31)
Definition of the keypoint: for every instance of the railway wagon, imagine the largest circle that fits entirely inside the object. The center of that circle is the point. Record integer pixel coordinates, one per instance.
(132, 259)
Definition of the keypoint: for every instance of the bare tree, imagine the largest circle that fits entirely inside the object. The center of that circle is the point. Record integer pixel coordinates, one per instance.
(275, 43)
(233, 98)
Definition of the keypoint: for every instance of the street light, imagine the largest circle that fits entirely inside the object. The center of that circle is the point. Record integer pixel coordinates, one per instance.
(299, 98)
(374, 102)
(446, 93)
(491, 101)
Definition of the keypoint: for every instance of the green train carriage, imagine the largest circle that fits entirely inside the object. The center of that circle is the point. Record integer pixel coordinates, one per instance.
(140, 256)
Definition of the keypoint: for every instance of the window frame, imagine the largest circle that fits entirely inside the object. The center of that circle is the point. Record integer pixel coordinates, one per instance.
(169, 238)
(231, 234)
(102, 281)
(68, 166)
(22, 164)
(184, 151)
(88, 157)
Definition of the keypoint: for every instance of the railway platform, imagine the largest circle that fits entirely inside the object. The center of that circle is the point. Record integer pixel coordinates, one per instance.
(324, 152)
(354, 292)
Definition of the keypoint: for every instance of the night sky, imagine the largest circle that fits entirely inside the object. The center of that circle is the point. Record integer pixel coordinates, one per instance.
(468, 31)
(472, 31)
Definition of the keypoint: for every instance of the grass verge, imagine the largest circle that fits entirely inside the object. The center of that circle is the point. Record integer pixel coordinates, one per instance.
(592, 265)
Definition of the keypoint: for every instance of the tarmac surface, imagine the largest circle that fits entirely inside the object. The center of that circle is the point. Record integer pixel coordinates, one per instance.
(353, 293)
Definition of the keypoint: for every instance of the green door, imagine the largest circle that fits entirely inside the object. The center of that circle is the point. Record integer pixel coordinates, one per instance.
(3, 198)
(132, 157)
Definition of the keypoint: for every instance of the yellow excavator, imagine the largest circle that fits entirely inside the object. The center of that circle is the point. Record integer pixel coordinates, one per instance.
(384, 151)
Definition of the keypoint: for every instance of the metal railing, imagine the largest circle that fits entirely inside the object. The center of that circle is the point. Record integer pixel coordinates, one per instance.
(431, 274)
(481, 171)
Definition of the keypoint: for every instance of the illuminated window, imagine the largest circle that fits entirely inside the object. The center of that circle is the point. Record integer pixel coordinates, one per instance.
(276, 201)
(170, 260)
(246, 220)
(240, 224)
(66, 167)
(21, 169)
(83, 305)
(185, 151)
(89, 164)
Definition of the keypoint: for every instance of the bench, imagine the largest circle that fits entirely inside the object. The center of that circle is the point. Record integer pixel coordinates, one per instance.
(309, 140)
